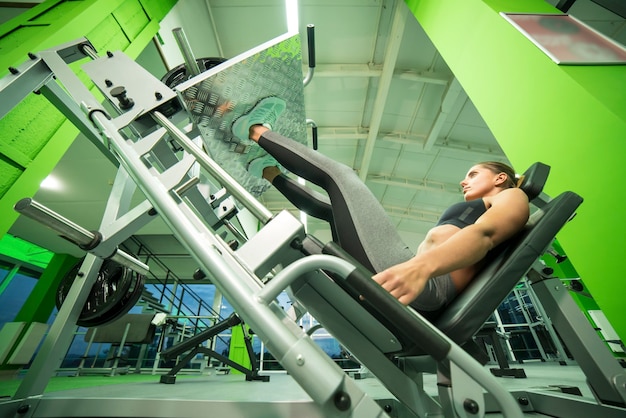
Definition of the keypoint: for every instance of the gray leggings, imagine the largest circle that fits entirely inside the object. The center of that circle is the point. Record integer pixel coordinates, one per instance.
(438, 292)
(362, 227)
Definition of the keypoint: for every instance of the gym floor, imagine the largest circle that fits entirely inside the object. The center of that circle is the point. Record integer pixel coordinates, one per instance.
(227, 391)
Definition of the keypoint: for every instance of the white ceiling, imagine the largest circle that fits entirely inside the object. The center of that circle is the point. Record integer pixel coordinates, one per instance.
(383, 99)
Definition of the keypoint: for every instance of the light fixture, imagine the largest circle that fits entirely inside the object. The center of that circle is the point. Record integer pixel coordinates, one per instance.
(51, 183)
(291, 6)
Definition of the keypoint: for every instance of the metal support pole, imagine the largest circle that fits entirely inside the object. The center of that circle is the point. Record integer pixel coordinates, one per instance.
(67, 229)
(190, 61)
(120, 350)
(61, 333)
(241, 194)
(604, 374)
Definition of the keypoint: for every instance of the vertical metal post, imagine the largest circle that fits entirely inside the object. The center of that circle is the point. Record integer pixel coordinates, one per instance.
(561, 353)
(61, 332)
(190, 61)
(82, 361)
(120, 350)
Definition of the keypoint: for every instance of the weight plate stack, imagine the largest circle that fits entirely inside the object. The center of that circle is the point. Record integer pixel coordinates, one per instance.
(116, 290)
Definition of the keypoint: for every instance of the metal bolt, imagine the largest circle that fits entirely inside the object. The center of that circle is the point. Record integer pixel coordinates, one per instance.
(13, 70)
(342, 401)
(108, 82)
(158, 95)
(296, 244)
(471, 406)
(300, 360)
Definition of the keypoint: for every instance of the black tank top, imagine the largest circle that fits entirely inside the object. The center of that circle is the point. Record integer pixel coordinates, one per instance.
(463, 214)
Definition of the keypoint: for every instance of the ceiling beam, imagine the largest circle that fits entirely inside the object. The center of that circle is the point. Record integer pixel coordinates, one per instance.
(413, 214)
(344, 134)
(426, 185)
(375, 71)
(450, 96)
(391, 55)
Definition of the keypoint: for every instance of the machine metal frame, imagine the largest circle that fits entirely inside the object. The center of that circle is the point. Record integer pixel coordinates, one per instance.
(162, 174)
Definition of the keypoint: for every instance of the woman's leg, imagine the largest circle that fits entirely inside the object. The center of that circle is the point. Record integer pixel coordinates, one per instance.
(362, 226)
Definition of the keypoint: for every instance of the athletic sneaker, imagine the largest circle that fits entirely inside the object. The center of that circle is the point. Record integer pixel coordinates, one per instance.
(256, 166)
(265, 112)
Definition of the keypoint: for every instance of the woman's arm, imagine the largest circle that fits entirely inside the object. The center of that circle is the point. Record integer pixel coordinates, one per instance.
(507, 215)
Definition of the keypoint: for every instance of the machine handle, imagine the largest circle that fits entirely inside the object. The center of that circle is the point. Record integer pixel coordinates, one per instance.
(313, 132)
(310, 35)
(430, 340)
(63, 226)
(413, 325)
(86, 240)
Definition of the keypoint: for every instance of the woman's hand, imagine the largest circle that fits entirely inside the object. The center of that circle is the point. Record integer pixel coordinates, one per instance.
(405, 281)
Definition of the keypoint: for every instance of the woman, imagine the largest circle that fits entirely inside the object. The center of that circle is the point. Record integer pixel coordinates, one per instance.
(494, 210)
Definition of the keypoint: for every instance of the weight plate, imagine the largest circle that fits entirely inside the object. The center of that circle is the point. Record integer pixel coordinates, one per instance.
(122, 307)
(127, 303)
(179, 74)
(112, 287)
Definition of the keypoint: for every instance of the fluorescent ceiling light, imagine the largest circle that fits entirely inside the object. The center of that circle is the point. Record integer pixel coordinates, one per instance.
(291, 6)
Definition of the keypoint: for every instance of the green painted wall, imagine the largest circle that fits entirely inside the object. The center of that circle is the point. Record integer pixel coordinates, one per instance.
(34, 135)
(24, 251)
(570, 117)
(238, 352)
(41, 301)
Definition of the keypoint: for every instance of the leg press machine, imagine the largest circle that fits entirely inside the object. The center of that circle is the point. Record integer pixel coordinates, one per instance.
(394, 342)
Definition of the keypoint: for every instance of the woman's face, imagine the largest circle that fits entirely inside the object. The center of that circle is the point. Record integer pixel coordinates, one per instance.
(480, 182)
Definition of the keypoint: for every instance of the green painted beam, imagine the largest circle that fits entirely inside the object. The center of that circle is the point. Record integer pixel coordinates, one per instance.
(24, 251)
(572, 118)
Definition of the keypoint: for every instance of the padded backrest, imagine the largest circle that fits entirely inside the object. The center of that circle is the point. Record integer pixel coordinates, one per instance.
(534, 179)
(469, 310)
(141, 330)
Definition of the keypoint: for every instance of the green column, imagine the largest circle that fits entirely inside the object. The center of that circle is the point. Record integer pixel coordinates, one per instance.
(238, 351)
(41, 301)
(570, 117)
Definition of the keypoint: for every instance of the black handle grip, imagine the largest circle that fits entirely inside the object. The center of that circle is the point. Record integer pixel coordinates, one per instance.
(314, 135)
(413, 326)
(310, 35)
